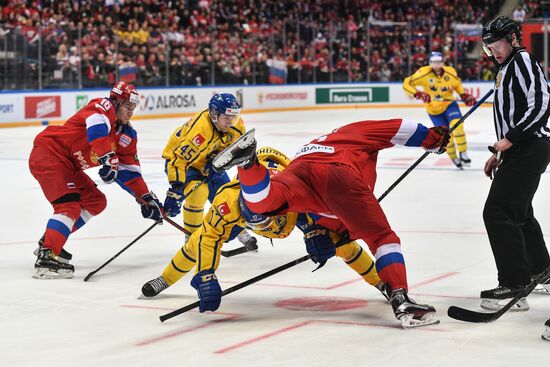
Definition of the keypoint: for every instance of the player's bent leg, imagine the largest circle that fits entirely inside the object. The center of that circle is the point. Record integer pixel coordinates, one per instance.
(361, 262)
(182, 262)
(193, 207)
(459, 136)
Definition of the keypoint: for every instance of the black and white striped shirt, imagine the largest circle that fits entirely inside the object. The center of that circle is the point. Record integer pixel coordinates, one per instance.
(522, 99)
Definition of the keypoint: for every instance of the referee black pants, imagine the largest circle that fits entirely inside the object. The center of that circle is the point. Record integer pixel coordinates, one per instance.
(515, 235)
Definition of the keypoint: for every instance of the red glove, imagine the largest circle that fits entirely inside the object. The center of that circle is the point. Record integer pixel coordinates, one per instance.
(423, 96)
(468, 99)
(437, 139)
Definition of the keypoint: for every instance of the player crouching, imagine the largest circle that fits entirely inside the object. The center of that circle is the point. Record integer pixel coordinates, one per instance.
(100, 134)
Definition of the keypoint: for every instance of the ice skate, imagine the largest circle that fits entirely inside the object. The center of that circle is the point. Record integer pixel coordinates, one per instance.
(64, 256)
(457, 162)
(241, 152)
(48, 266)
(465, 159)
(546, 334)
(496, 298)
(542, 288)
(410, 313)
(153, 287)
(251, 243)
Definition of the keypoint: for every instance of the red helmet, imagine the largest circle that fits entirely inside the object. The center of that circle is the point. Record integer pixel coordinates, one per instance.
(124, 92)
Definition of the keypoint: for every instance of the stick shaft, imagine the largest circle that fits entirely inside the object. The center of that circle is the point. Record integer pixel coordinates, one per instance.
(419, 160)
(246, 283)
(120, 252)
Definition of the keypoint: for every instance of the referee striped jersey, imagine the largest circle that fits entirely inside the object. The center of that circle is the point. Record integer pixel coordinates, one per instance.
(522, 99)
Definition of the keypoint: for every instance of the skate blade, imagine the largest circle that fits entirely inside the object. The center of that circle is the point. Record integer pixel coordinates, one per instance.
(409, 321)
(44, 273)
(540, 289)
(497, 304)
(546, 334)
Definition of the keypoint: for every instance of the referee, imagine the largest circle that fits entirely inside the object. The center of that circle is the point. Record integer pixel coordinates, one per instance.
(522, 153)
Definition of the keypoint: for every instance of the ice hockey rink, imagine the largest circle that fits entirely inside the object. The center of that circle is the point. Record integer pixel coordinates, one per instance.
(326, 318)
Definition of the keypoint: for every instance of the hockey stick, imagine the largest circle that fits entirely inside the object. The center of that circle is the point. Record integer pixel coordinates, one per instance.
(164, 217)
(466, 115)
(462, 314)
(239, 250)
(342, 241)
(120, 252)
(307, 257)
(246, 283)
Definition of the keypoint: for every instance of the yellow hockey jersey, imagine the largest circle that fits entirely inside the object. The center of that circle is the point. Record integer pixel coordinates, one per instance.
(440, 88)
(224, 214)
(196, 142)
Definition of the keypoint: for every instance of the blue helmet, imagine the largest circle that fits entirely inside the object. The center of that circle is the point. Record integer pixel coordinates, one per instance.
(225, 103)
(253, 220)
(436, 57)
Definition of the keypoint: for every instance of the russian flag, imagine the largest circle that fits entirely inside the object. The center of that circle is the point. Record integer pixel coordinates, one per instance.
(127, 73)
(277, 71)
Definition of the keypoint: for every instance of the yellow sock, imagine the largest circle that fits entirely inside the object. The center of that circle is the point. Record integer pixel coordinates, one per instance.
(182, 262)
(193, 207)
(360, 261)
(451, 148)
(459, 136)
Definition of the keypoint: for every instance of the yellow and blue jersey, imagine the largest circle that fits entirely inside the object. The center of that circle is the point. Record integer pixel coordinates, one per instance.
(441, 88)
(194, 144)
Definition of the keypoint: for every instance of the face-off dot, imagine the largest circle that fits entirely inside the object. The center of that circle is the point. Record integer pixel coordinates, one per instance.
(321, 303)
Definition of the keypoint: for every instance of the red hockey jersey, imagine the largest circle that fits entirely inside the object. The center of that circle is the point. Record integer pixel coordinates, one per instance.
(91, 133)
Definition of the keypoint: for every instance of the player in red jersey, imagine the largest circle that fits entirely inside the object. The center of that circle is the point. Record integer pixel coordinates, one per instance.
(334, 177)
(98, 135)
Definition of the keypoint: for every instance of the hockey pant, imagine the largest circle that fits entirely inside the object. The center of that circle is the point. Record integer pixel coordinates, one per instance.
(73, 195)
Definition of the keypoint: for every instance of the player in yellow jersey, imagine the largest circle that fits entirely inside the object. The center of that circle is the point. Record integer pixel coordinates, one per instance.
(189, 154)
(227, 215)
(439, 83)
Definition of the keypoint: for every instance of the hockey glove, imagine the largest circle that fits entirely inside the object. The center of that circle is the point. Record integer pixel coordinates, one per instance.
(109, 171)
(152, 208)
(468, 99)
(211, 173)
(319, 244)
(423, 96)
(208, 290)
(174, 199)
(437, 139)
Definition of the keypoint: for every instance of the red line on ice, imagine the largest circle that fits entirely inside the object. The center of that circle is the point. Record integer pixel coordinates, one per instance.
(307, 322)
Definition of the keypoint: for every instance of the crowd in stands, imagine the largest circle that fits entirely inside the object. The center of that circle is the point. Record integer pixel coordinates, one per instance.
(201, 42)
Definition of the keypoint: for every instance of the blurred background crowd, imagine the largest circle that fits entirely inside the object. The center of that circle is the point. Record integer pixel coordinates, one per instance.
(78, 44)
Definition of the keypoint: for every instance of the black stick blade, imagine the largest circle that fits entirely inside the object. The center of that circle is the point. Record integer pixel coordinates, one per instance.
(463, 314)
(89, 276)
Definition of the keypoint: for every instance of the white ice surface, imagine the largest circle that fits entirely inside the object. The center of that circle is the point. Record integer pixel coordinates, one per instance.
(436, 211)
